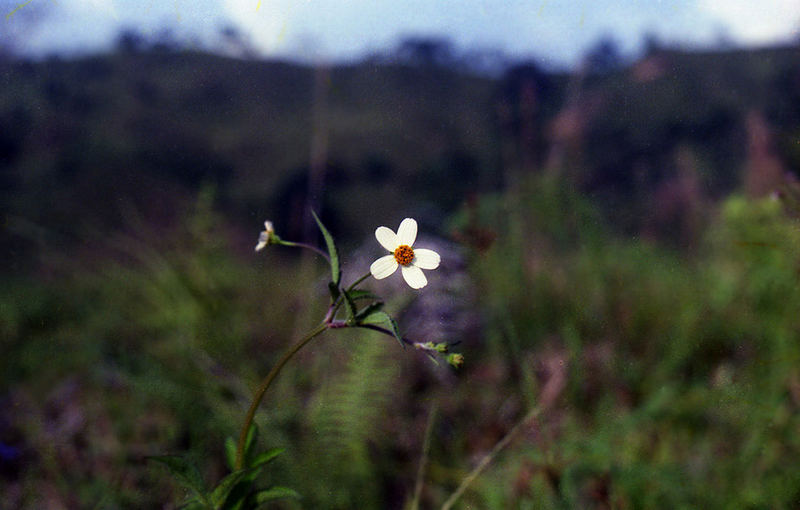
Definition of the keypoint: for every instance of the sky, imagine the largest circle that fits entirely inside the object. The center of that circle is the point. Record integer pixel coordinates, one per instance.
(555, 31)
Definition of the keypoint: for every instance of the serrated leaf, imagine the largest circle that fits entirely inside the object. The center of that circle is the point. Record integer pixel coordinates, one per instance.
(220, 493)
(332, 253)
(185, 472)
(350, 307)
(230, 453)
(266, 457)
(358, 294)
(273, 493)
(380, 318)
(369, 309)
(377, 318)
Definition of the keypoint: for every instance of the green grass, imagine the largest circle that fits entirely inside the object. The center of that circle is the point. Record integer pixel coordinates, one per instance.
(681, 382)
(682, 370)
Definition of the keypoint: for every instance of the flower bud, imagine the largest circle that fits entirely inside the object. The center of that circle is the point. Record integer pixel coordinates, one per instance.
(455, 359)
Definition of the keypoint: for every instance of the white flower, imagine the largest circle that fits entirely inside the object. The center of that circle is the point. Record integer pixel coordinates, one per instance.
(411, 261)
(265, 237)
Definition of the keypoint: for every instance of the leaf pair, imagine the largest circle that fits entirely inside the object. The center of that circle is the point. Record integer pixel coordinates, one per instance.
(354, 315)
(372, 314)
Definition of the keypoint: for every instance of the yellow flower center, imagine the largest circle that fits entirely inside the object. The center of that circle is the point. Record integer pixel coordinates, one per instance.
(404, 255)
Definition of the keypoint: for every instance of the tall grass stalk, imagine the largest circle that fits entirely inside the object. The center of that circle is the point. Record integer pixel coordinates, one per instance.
(486, 460)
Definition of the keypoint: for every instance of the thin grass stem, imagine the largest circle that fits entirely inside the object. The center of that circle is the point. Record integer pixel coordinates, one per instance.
(484, 463)
(423, 463)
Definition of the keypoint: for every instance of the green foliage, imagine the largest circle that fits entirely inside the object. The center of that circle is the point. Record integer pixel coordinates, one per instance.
(333, 254)
(380, 318)
(350, 308)
(188, 476)
(682, 371)
(130, 327)
(150, 341)
(237, 490)
(347, 422)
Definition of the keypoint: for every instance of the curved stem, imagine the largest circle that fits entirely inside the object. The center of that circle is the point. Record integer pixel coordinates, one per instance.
(385, 331)
(355, 283)
(265, 384)
(306, 246)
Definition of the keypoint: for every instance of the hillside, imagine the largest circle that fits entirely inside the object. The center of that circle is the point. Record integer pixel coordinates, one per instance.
(83, 141)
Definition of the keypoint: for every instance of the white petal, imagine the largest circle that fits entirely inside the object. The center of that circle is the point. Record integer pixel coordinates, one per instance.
(407, 233)
(414, 277)
(263, 241)
(383, 267)
(387, 238)
(426, 259)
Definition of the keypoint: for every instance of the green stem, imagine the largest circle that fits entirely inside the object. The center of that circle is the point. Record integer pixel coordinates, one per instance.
(338, 303)
(306, 246)
(265, 384)
(355, 283)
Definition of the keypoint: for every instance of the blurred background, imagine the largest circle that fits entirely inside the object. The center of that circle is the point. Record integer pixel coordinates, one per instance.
(612, 186)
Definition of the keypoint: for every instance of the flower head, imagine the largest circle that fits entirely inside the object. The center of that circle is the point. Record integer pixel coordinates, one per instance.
(411, 261)
(266, 237)
(456, 359)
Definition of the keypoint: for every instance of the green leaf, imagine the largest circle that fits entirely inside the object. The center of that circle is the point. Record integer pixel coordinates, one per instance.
(238, 496)
(252, 474)
(273, 493)
(368, 310)
(334, 255)
(357, 294)
(220, 493)
(266, 457)
(350, 307)
(185, 472)
(230, 453)
(249, 442)
(380, 318)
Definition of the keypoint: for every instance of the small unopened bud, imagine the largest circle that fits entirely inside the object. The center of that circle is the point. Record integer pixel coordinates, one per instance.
(455, 359)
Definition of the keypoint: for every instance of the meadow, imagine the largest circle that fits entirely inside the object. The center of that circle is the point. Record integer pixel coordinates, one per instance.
(620, 265)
